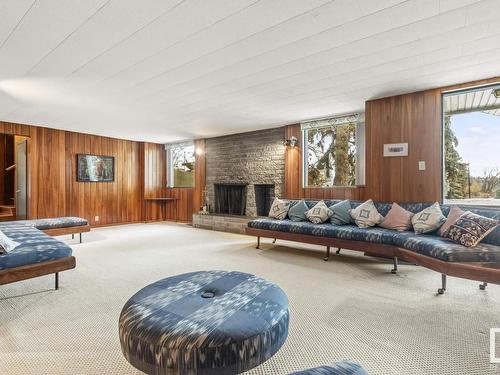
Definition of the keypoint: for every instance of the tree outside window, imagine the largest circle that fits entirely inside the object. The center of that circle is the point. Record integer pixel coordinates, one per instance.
(331, 155)
(181, 162)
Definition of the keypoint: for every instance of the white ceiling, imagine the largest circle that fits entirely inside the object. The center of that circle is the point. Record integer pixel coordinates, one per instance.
(167, 70)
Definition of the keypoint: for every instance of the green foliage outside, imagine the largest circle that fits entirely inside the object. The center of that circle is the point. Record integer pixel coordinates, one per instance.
(331, 154)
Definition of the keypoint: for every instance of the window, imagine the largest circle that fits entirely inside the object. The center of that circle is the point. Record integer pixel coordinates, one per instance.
(471, 134)
(180, 164)
(334, 151)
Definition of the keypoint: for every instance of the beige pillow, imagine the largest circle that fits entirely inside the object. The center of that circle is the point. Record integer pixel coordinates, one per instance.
(428, 220)
(397, 218)
(319, 213)
(366, 215)
(279, 209)
(453, 216)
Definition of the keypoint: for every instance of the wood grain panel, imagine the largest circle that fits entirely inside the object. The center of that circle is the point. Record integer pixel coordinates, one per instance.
(200, 174)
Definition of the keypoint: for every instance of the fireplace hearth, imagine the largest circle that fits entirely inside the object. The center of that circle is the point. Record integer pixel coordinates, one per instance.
(230, 199)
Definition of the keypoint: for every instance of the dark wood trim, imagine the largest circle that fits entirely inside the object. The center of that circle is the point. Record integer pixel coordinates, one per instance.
(11, 275)
(486, 272)
(67, 230)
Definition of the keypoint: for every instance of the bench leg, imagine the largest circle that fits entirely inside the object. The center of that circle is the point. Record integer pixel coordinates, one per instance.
(483, 285)
(274, 241)
(56, 280)
(443, 284)
(258, 243)
(395, 269)
(72, 236)
(338, 251)
(327, 254)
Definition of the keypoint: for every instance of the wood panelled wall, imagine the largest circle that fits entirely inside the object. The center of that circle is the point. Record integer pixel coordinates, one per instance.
(414, 119)
(140, 170)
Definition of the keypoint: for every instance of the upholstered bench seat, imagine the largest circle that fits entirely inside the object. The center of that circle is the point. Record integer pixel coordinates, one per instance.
(208, 323)
(35, 246)
(52, 223)
(429, 245)
(339, 368)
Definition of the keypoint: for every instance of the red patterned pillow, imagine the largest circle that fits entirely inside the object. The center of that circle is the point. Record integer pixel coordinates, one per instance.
(470, 229)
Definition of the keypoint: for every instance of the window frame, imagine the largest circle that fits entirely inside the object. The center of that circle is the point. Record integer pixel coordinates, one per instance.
(359, 120)
(169, 165)
(443, 140)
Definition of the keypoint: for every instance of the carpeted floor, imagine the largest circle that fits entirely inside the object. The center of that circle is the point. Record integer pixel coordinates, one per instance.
(349, 308)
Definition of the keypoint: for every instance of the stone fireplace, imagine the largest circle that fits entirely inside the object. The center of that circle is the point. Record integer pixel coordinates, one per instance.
(255, 160)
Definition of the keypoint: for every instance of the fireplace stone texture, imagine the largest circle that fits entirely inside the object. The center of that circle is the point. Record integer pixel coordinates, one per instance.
(248, 158)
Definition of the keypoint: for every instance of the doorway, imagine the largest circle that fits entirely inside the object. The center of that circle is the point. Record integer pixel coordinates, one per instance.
(13, 177)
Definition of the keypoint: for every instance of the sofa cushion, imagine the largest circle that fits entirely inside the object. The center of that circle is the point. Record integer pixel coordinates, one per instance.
(446, 250)
(397, 219)
(6, 243)
(341, 215)
(319, 213)
(428, 220)
(297, 212)
(470, 229)
(453, 215)
(366, 215)
(279, 209)
(51, 223)
(35, 246)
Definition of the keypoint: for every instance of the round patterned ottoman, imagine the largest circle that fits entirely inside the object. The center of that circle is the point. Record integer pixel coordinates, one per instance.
(208, 322)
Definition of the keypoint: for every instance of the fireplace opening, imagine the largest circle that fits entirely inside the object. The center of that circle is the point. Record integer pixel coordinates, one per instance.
(230, 199)
(264, 196)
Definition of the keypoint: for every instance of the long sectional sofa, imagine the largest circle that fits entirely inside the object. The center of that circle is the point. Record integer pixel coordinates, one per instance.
(38, 253)
(481, 263)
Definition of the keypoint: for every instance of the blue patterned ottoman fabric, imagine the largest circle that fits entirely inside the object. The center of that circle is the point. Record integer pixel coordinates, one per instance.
(52, 223)
(168, 328)
(427, 244)
(35, 246)
(339, 368)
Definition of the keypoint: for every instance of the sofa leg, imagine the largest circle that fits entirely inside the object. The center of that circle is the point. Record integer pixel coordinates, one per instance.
(483, 285)
(258, 243)
(395, 269)
(327, 254)
(72, 236)
(56, 280)
(338, 251)
(80, 238)
(443, 284)
(274, 241)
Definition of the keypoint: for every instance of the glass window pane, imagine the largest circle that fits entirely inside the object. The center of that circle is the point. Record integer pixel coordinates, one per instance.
(471, 138)
(331, 155)
(182, 160)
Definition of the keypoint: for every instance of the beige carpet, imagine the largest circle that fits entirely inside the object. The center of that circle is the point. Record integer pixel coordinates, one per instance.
(349, 308)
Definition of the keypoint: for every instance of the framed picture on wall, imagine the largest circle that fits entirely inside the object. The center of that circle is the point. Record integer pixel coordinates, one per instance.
(95, 168)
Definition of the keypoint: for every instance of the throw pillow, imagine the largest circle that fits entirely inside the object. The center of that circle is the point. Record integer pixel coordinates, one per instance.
(319, 213)
(6, 243)
(279, 209)
(397, 219)
(366, 215)
(341, 214)
(428, 220)
(453, 215)
(470, 229)
(298, 211)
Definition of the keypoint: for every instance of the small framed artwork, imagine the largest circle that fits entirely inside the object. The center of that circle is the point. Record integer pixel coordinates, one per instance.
(395, 149)
(95, 168)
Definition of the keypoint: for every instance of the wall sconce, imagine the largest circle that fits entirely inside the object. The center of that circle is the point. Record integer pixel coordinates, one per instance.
(199, 151)
(292, 142)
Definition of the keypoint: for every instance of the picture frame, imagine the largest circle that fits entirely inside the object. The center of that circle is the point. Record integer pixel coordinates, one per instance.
(95, 168)
(395, 149)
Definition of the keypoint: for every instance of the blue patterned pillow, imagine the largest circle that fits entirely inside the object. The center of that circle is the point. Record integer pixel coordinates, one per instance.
(298, 211)
(470, 229)
(341, 215)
